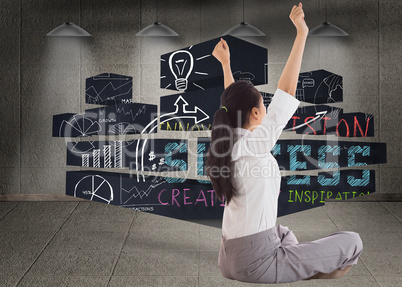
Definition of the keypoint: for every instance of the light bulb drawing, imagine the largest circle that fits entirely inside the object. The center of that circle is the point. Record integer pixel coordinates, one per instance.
(181, 65)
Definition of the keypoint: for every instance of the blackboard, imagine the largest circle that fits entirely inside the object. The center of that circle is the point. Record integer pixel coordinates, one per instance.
(319, 87)
(108, 89)
(194, 68)
(118, 119)
(195, 199)
(330, 120)
(301, 154)
(172, 197)
(153, 155)
(189, 111)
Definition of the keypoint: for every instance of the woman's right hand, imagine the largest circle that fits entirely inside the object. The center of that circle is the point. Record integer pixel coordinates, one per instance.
(221, 52)
(297, 17)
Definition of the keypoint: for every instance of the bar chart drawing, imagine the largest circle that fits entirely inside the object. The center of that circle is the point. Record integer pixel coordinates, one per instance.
(96, 157)
(85, 160)
(107, 156)
(118, 153)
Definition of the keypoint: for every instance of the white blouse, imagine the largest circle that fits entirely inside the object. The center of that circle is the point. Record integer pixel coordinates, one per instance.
(256, 174)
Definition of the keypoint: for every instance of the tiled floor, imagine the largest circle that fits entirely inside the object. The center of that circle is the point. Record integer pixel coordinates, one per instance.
(93, 244)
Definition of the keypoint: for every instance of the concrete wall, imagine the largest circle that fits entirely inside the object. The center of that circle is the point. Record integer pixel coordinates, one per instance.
(41, 77)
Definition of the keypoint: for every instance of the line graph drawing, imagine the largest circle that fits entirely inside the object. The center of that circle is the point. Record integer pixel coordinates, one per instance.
(108, 120)
(121, 109)
(108, 88)
(130, 194)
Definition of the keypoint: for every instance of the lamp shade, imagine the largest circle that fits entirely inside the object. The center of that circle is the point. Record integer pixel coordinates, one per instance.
(327, 29)
(157, 29)
(244, 30)
(68, 29)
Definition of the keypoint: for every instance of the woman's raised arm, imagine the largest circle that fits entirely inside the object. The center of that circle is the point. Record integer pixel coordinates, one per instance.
(290, 74)
(222, 54)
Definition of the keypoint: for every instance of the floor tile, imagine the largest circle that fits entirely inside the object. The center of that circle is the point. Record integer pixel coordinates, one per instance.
(383, 262)
(123, 281)
(51, 281)
(213, 281)
(145, 221)
(345, 281)
(389, 281)
(35, 215)
(154, 281)
(96, 216)
(6, 206)
(380, 240)
(210, 238)
(23, 240)
(395, 208)
(209, 263)
(66, 240)
(83, 243)
(75, 262)
(150, 262)
(16, 262)
(178, 281)
(367, 223)
(161, 239)
(9, 281)
(354, 208)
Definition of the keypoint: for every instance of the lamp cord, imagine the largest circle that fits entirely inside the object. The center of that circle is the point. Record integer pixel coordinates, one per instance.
(243, 10)
(157, 20)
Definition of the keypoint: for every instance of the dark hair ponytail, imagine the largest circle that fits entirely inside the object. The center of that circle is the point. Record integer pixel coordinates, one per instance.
(238, 100)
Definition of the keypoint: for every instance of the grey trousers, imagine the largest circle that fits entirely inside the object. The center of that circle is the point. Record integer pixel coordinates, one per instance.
(276, 256)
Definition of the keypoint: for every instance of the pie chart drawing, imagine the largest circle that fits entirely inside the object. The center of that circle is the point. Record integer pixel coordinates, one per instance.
(94, 187)
(79, 126)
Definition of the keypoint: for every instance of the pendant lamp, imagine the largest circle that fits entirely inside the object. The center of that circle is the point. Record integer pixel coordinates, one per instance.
(157, 29)
(68, 29)
(244, 29)
(327, 29)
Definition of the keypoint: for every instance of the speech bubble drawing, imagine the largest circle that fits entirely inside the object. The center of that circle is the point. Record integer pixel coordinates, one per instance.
(309, 83)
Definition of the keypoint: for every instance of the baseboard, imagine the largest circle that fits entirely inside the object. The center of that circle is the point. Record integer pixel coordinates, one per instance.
(39, 197)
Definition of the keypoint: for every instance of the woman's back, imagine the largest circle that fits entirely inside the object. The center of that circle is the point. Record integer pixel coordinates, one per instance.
(255, 172)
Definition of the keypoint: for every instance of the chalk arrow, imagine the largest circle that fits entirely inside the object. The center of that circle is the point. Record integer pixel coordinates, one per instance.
(180, 104)
(179, 113)
(319, 115)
